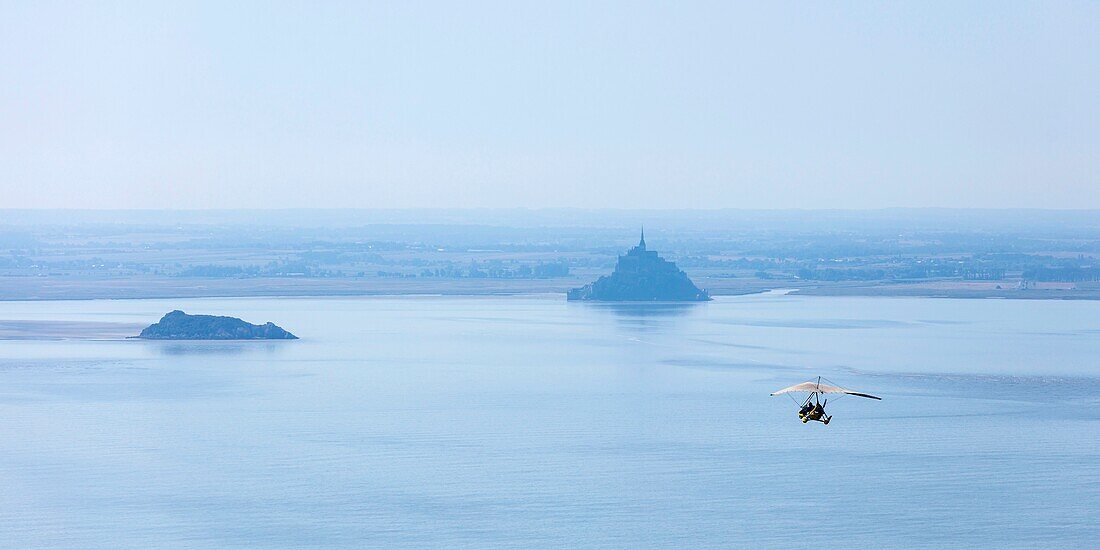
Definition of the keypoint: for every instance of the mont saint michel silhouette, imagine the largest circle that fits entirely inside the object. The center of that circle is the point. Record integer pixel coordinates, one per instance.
(641, 276)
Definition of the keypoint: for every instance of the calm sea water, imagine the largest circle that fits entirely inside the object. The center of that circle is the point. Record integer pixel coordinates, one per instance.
(530, 421)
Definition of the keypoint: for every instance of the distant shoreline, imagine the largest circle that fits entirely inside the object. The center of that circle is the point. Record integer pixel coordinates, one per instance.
(24, 289)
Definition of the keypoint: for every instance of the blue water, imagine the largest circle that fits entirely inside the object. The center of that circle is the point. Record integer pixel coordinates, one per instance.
(529, 421)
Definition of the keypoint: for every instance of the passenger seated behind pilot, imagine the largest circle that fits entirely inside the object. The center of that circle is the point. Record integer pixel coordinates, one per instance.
(805, 409)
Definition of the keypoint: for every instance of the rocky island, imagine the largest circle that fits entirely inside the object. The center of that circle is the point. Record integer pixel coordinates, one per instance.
(642, 276)
(178, 325)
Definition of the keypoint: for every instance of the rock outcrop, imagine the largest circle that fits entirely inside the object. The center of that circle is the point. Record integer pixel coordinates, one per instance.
(178, 325)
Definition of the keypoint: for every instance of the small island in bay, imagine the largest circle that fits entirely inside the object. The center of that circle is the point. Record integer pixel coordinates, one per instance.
(178, 325)
(642, 276)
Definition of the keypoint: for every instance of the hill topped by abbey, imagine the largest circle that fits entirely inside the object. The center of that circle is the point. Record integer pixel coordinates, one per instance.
(642, 276)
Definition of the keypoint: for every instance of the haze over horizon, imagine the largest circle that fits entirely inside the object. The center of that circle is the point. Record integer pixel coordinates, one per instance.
(255, 105)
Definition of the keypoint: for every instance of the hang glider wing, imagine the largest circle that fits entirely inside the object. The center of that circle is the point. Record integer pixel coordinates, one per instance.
(818, 387)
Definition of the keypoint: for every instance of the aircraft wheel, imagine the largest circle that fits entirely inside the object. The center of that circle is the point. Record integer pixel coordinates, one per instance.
(827, 420)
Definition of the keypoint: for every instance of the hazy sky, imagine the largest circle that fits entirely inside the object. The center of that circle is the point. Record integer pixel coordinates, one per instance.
(460, 104)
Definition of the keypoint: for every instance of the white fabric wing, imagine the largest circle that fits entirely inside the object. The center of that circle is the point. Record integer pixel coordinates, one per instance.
(811, 386)
(820, 388)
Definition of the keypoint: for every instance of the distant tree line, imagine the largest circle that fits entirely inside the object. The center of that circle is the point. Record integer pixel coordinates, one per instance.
(1063, 274)
(271, 269)
(907, 272)
(498, 271)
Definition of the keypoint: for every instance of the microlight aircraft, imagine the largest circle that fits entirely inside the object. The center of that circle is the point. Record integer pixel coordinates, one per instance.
(813, 407)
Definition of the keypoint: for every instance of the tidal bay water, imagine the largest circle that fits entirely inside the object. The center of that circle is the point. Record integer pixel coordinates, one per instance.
(528, 421)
